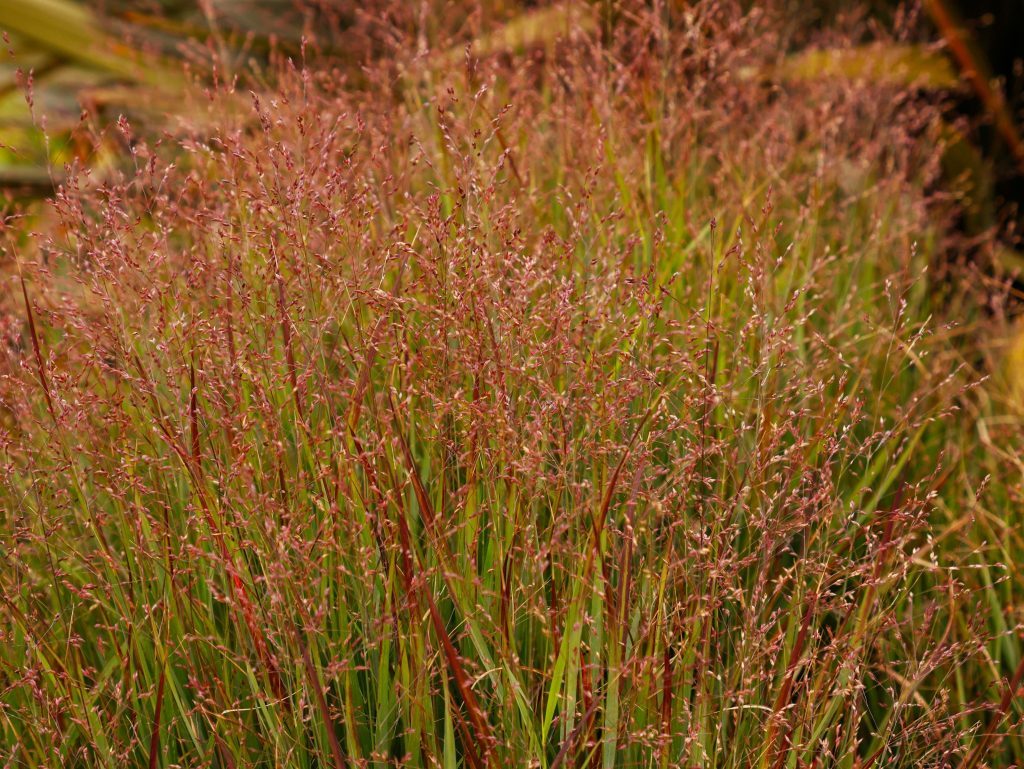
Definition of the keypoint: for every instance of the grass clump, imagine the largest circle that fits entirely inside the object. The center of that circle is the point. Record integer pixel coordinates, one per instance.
(589, 406)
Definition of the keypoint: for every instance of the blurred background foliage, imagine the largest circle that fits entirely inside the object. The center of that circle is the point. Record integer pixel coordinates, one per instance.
(72, 67)
(69, 62)
(101, 59)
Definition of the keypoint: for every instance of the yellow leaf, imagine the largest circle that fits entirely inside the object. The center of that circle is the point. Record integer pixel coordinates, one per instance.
(540, 28)
(892, 64)
(1013, 368)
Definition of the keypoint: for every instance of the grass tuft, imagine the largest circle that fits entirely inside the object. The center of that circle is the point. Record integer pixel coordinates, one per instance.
(582, 404)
